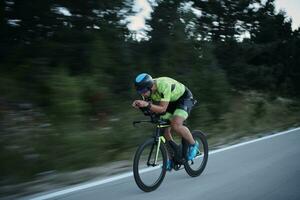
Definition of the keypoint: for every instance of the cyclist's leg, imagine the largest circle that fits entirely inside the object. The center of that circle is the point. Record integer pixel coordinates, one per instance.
(168, 134)
(184, 107)
(170, 151)
(179, 128)
(169, 138)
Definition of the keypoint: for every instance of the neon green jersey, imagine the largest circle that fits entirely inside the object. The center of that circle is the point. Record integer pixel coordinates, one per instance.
(167, 89)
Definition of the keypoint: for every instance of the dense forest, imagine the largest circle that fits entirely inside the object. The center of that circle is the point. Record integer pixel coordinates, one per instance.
(66, 78)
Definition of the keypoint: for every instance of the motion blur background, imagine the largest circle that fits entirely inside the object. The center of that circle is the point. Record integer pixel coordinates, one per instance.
(67, 68)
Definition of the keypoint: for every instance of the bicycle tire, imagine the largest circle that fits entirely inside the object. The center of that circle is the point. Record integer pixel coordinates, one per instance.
(201, 138)
(137, 173)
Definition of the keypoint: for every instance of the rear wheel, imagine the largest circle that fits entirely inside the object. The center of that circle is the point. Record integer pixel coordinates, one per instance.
(148, 175)
(195, 167)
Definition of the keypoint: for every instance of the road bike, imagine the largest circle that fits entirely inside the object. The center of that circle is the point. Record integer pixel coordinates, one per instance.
(151, 157)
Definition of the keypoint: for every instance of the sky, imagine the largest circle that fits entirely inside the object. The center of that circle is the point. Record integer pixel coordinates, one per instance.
(292, 8)
(144, 8)
(137, 22)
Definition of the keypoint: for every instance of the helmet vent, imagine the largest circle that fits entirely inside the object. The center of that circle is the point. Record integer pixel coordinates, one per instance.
(140, 77)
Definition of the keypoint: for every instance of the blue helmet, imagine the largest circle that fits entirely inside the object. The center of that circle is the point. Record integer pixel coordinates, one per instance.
(143, 83)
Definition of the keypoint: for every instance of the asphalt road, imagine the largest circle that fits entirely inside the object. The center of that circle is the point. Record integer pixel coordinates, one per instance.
(264, 169)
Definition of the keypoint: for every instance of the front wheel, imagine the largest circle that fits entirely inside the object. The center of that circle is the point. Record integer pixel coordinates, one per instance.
(195, 167)
(149, 165)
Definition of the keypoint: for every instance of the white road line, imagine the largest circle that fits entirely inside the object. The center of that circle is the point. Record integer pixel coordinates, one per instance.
(252, 141)
(128, 174)
(83, 186)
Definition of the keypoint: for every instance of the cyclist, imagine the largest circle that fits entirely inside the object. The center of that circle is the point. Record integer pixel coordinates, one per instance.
(172, 99)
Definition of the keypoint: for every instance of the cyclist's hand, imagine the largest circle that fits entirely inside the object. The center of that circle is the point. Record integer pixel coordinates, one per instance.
(140, 104)
(135, 104)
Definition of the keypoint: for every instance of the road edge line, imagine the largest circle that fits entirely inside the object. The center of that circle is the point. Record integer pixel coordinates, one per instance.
(128, 174)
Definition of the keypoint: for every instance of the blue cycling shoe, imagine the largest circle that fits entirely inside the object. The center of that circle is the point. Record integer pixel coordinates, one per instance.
(169, 165)
(193, 150)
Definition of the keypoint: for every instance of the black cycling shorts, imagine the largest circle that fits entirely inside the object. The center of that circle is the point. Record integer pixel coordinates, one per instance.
(182, 107)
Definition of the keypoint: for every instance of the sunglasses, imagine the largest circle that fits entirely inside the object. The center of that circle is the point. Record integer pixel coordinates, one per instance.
(143, 91)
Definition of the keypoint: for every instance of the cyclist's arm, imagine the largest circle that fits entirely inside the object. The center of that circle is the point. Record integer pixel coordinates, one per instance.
(165, 91)
(160, 108)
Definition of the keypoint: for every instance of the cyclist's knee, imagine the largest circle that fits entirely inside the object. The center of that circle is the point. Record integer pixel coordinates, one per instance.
(176, 125)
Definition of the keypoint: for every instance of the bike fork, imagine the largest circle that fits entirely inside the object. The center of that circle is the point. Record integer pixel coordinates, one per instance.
(160, 139)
